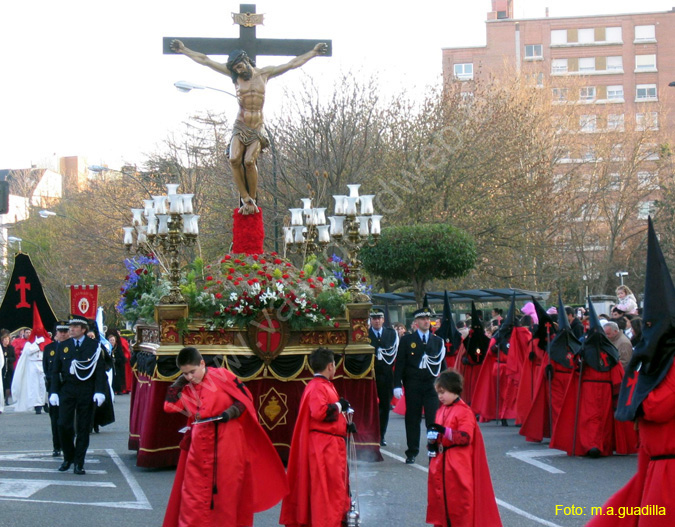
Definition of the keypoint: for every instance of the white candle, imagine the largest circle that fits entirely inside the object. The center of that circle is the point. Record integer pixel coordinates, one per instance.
(297, 234)
(187, 223)
(375, 227)
(160, 204)
(339, 204)
(296, 216)
(288, 235)
(187, 203)
(363, 225)
(367, 204)
(175, 203)
(337, 227)
(171, 188)
(353, 191)
(320, 216)
(351, 206)
(137, 216)
(306, 203)
(152, 224)
(149, 206)
(195, 224)
(324, 235)
(128, 235)
(163, 228)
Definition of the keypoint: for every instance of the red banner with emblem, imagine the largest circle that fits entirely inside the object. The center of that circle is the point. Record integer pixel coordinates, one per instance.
(84, 300)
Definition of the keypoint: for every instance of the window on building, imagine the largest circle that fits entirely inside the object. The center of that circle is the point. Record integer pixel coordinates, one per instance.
(645, 209)
(649, 152)
(558, 37)
(613, 34)
(614, 181)
(615, 63)
(562, 154)
(616, 152)
(589, 155)
(645, 92)
(588, 123)
(615, 93)
(647, 121)
(645, 62)
(559, 94)
(587, 93)
(587, 64)
(615, 121)
(586, 36)
(534, 51)
(559, 66)
(645, 33)
(464, 71)
(647, 180)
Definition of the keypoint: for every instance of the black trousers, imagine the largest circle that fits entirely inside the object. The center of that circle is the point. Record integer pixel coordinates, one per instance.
(75, 409)
(54, 418)
(384, 381)
(418, 395)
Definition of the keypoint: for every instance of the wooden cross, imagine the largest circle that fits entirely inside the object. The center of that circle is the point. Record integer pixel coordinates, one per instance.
(247, 20)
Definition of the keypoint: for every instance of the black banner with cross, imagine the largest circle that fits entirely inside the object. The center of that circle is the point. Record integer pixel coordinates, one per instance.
(24, 289)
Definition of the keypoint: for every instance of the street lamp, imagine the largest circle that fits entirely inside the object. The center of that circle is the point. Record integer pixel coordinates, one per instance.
(186, 87)
(14, 239)
(620, 275)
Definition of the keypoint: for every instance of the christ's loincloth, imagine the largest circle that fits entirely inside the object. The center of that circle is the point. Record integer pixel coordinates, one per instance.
(248, 135)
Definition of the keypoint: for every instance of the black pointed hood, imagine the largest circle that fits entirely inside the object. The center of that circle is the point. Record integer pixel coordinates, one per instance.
(448, 330)
(653, 355)
(597, 350)
(477, 341)
(545, 329)
(387, 317)
(425, 302)
(503, 334)
(565, 345)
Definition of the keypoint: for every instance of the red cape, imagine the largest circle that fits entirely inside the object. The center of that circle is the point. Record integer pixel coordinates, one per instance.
(537, 424)
(596, 424)
(459, 478)
(128, 373)
(263, 481)
(317, 464)
(526, 347)
(484, 401)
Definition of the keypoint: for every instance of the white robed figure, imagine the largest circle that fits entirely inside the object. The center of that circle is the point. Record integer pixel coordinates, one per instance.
(28, 384)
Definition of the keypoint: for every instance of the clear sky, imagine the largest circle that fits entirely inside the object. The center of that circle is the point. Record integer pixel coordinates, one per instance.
(89, 78)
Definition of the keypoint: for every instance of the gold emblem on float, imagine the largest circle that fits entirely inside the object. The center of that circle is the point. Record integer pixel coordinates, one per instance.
(272, 409)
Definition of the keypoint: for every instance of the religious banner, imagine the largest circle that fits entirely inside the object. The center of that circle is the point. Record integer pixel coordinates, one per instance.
(23, 290)
(84, 300)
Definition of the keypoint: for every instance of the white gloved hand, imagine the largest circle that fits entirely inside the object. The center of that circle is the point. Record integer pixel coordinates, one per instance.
(99, 399)
(398, 392)
(39, 340)
(54, 399)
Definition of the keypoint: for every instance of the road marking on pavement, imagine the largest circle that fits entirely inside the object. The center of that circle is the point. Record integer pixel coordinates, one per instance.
(528, 457)
(22, 489)
(25, 488)
(44, 470)
(37, 457)
(501, 503)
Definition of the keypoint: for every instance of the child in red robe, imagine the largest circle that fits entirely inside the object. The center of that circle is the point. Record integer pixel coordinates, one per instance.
(228, 468)
(460, 490)
(317, 465)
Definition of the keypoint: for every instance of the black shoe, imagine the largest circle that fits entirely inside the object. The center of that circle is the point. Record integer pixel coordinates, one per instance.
(65, 466)
(96, 429)
(504, 422)
(383, 443)
(594, 453)
(410, 460)
(79, 470)
(38, 410)
(56, 453)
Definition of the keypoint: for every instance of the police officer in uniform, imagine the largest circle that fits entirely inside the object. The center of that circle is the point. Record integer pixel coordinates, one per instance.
(385, 342)
(77, 377)
(48, 361)
(419, 361)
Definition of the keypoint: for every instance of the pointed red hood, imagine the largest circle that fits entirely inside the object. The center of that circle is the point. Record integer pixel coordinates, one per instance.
(39, 328)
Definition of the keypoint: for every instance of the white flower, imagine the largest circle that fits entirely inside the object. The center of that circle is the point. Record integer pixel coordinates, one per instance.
(233, 296)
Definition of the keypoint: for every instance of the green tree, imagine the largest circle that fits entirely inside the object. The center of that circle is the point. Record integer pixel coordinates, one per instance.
(420, 253)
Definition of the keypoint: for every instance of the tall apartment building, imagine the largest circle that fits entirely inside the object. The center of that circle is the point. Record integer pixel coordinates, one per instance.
(614, 72)
(624, 59)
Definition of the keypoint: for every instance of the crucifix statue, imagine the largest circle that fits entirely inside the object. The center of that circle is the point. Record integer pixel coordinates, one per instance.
(248, 135)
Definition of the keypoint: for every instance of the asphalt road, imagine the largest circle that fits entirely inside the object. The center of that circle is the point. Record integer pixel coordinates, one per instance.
(115, 492)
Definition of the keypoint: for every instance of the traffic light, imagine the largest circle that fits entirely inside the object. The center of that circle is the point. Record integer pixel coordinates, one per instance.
(4, 197)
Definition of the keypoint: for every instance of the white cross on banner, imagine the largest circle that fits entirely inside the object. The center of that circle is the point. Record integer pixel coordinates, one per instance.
(84, 300)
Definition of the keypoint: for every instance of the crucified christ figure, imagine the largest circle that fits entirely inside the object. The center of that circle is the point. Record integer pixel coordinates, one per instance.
(248, 135)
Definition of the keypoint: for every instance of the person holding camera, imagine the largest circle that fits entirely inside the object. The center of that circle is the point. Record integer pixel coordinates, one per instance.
(317, 464)
(228, 468)
(460, 490)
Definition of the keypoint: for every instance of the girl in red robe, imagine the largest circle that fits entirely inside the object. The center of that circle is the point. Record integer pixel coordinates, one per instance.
(460, 490)
(317, 464)
(228, 469)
